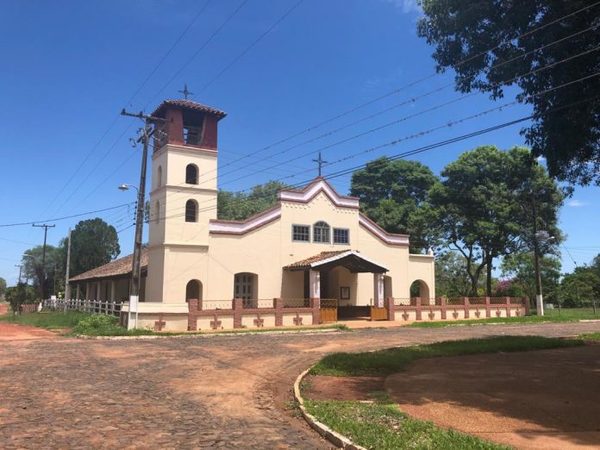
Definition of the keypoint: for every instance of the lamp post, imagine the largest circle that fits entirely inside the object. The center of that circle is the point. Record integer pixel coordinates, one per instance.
(134, 287)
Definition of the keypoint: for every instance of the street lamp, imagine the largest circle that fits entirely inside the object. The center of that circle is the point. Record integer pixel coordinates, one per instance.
(136, 266)
(125, 187)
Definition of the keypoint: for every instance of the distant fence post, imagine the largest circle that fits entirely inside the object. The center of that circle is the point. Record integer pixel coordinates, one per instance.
(389, 305)
(238, 306)
(278, 305)
(443, 307)
(467, 306)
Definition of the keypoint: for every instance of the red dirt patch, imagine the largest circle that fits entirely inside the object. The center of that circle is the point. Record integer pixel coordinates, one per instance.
(15, 332)
(3, 309)
(538, 399)
(321, 387)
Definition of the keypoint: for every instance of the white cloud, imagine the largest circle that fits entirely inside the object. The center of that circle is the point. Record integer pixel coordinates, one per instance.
(576, 203)
(406, 6)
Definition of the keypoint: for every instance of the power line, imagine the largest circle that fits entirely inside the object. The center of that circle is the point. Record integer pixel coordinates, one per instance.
(254, 43)
(56, 219)
(197, 52)
(347, 112)
(447, 124)
(409, 85)
(394, 122)
(425, 148)
(114, 121)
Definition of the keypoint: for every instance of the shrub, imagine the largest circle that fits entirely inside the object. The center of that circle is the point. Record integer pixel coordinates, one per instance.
(98, 324)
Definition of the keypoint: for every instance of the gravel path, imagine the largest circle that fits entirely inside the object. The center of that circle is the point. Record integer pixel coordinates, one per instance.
(221, 391)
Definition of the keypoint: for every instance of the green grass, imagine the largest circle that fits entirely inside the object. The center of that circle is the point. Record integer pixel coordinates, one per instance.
(590, 336)
(381, 425)
(396, 359)
(48, 320)
(551, 315)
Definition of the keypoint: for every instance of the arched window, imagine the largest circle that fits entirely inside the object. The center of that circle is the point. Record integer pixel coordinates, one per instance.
(321, 232)
(159, 177)
(157, 211)
(193, 290)
(191, 211)
(191, 174)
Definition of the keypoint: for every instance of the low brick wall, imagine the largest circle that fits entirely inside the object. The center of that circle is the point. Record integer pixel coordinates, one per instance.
(457, 308)
(206, 316)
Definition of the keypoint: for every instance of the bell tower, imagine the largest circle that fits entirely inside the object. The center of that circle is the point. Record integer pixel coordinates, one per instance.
(183, 196)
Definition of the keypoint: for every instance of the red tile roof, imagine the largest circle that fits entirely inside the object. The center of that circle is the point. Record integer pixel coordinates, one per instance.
(305, 263)
(187, 104)
(118, 267)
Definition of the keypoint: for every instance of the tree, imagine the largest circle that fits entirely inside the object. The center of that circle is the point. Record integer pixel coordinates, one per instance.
(2, 287)
(451, 278)
(463, 31)
(18, 295)
(42, 275)
(580, 288)
(93, 243)
(518, 268)
(483, 207)
(240, 206)
(395, 194)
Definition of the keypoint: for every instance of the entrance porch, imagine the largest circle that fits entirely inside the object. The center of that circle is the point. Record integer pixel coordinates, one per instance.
(333, 278)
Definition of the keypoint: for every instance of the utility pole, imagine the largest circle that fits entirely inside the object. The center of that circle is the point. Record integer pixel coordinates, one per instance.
(67, 286)
(20, 266)
(45, 227)
(136, 267)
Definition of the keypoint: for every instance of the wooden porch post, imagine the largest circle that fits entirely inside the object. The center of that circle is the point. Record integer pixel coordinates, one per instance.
(378, 290)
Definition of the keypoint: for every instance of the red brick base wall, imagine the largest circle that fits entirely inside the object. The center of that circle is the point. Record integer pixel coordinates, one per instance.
(237, 311)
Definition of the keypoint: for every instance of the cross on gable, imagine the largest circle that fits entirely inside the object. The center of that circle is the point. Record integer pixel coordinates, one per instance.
(186, 93)
(297, 320)
(258, 322)
(320, 163)
(159, 324)
(215, 324)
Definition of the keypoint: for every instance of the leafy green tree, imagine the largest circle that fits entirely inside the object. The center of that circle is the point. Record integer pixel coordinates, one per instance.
(451, 278)
(483, 207)
(463, 31)
(42, 275)
(580, 288)
(2, 287)
(519, 269)
(18, 295)
(93, 243)
(240, 206)
(395, 194)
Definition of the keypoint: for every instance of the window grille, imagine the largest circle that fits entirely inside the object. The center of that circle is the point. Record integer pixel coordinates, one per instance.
(301, 233)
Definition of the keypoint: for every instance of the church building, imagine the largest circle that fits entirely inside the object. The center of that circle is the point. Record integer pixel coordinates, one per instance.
(285, 266)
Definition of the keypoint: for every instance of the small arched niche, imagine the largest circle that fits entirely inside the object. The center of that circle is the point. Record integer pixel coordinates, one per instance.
(193, 290)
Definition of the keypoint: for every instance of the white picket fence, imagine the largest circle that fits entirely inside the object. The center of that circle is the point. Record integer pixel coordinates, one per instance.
(87, 306)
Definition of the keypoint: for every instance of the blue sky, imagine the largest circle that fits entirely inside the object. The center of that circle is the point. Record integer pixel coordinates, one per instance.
(69, 67)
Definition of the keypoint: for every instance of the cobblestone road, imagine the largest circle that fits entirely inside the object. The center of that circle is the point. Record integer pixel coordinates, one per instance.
(221, 391)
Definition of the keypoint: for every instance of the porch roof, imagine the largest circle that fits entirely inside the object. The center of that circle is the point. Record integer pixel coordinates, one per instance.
(116, 268)
(350, 259)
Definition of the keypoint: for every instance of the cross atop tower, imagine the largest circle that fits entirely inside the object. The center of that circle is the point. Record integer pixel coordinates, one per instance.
(320, 161)
(185, 91)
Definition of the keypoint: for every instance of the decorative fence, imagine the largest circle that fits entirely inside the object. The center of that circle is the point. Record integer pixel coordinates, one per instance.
(87, 306)
(252, 313)
(441, 308)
